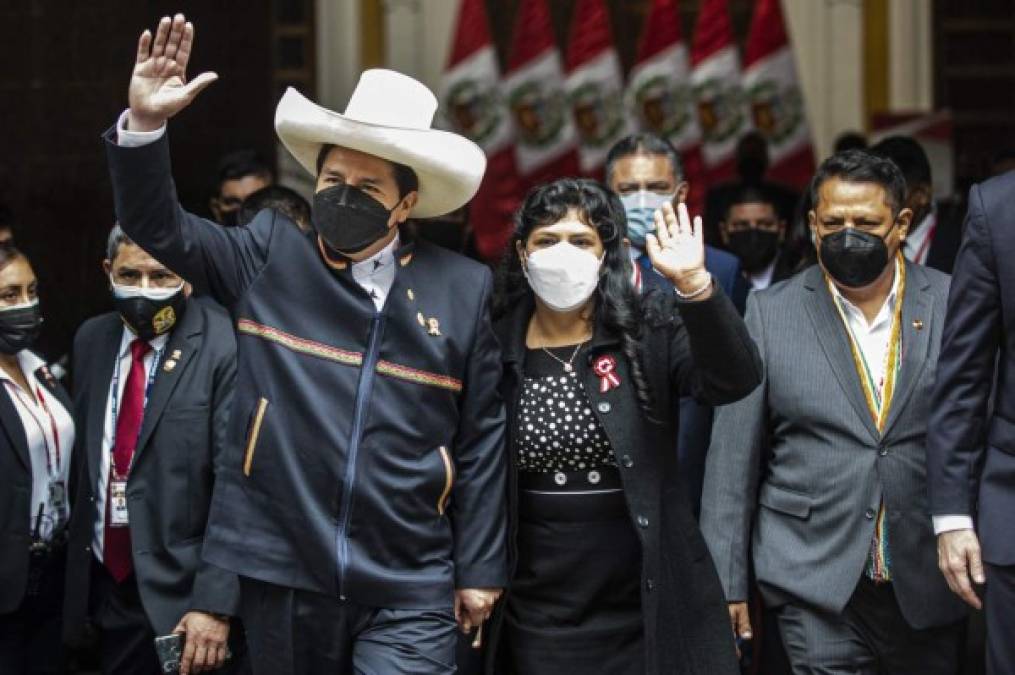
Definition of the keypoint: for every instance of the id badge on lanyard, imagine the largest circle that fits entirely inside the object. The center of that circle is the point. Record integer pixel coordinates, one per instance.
(118, 502)
(118, 515)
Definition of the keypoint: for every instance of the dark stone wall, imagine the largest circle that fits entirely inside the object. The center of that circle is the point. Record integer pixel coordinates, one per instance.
(64, 70)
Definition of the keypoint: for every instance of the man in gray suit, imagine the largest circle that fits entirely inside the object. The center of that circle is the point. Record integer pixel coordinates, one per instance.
(822, 467)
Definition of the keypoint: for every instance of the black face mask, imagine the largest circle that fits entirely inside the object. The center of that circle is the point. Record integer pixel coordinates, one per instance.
(348, 219)
(229, 218)
(854, 258)
(149, 318)
(755, 248)
(19, 328)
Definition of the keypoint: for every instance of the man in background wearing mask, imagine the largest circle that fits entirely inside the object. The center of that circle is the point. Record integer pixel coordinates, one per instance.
(754, 232)
(936, 234)
(239, 175)
(751, 166)
(842, 543)
(646, 172)
(363, 500)
(153, 386)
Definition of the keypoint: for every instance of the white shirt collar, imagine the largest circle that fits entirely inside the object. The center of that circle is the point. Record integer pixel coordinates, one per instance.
(158, 343)
(763, 279)
(883, 314)
(918, 241)
(378, 261)
(28, 361)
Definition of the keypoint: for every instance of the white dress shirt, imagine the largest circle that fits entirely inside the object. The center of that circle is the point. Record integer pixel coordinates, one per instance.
(49, 429)
(762, 279)
(374, 275)
(918, 242)
(121, 370)
(873, 340)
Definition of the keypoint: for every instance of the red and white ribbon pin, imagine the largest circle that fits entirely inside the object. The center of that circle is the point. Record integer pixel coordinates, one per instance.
(605, 368)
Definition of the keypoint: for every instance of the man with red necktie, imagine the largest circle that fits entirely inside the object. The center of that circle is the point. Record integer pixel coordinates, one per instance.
(153, 385)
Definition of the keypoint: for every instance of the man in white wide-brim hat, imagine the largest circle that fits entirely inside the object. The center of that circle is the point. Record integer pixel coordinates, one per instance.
(363, 501)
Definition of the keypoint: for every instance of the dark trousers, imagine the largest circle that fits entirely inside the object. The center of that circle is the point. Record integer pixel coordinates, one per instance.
(870, 637)
(126, 637)
(30, 636)
(295, 632)
(999, 608)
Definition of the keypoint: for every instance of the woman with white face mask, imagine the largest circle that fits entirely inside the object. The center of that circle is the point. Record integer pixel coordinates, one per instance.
(609, 572)
(36, 439)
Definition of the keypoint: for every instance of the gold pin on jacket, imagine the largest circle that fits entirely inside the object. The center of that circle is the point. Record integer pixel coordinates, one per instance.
(170, 364)
(917, 324)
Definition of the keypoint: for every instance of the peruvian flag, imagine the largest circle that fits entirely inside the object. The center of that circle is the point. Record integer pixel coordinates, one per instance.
(660, 97)
(545, 137)
(723, 112)
(773, 90)
(473, 106)
(594, 86)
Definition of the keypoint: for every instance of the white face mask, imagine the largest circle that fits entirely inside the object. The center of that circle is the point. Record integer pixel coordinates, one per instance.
(150, 293)
(640, 208)
(563, 275)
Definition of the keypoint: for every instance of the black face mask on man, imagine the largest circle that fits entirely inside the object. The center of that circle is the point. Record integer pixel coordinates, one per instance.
(19, 327)
(149, 312)
(348, 219)
(853, 257)
(755, 248)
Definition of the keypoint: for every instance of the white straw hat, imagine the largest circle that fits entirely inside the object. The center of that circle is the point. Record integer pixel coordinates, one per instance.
(389, 116)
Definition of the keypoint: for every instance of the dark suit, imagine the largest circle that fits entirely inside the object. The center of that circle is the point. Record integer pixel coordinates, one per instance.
(178, 454)
(947, 236)
(808, 517)
(971, 454)
(29, 622)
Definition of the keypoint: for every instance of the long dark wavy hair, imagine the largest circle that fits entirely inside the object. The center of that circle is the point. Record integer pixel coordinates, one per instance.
(617, 306)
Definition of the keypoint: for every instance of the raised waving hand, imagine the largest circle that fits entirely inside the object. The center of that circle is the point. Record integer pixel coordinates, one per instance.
(158, 86)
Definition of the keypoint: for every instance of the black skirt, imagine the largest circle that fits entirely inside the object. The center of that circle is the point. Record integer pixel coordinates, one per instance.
(575, 600)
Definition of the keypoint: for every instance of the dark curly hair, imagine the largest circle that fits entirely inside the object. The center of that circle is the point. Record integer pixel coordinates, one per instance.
(617, 306)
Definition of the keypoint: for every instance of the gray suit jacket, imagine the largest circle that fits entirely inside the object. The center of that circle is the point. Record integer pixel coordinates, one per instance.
(799, 469)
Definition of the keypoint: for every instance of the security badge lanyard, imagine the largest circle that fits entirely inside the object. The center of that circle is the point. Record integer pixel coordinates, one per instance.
(57, 487)
(118, 484)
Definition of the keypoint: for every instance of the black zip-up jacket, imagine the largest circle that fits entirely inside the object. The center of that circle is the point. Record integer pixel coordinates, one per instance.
(366, 448)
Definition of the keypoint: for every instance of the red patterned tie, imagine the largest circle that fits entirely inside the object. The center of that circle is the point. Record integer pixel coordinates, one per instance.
(116, 547)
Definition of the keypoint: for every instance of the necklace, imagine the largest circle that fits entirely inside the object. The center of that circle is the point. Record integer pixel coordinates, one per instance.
(567, 364)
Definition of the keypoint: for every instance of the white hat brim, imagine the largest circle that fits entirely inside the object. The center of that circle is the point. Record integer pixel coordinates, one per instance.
(450, 167)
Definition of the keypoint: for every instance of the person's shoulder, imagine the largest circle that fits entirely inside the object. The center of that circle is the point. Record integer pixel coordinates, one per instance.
(95, 326)
(718, 261)
(217, 321)
(783, 292)
(998, 187)
(938, 281)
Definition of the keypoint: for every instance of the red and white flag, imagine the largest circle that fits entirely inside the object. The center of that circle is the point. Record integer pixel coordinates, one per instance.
(594, 86)
(715, 74)
(773, 90)
(659, 93)
(545, 137)
(472, 105)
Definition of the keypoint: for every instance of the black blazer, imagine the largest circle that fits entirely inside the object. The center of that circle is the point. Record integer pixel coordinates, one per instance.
(178, 454)
(16, 495)
(701, 349)
(971, 444)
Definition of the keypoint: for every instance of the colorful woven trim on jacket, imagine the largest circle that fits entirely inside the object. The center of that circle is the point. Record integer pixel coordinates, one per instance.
(321, 350)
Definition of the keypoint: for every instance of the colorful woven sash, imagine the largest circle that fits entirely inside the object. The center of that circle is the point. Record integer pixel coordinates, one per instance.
(879, 401)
